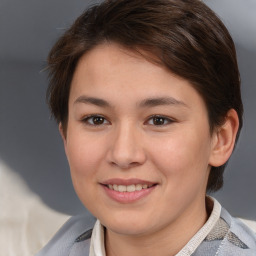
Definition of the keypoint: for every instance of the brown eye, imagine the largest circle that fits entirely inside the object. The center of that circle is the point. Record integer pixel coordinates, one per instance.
(95, 120)
(158, 120)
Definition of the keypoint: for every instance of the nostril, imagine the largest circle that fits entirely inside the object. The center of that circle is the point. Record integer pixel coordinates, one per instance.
(125, 165)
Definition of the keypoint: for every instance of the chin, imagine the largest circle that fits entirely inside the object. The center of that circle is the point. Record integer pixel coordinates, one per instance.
(128, 230)
(127, 224)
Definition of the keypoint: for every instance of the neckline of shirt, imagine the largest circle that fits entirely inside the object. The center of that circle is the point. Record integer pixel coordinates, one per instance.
(97, 247)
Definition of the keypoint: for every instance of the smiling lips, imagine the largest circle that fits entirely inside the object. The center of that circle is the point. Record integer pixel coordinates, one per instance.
(129, 188)
(128, 191)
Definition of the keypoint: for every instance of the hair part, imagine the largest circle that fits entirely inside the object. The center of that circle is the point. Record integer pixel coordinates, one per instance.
(186, 37)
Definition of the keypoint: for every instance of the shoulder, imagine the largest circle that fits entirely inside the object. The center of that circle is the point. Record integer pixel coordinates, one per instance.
(228, 237)
(239, 239)
(76, 229)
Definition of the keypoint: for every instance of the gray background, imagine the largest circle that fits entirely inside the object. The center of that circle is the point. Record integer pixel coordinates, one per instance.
(29, 139)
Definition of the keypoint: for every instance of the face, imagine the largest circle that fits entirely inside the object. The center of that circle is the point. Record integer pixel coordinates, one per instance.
(137, 142)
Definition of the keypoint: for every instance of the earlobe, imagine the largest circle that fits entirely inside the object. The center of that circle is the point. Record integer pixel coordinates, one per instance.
(224, 139)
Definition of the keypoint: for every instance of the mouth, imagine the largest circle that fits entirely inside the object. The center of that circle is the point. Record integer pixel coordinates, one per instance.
(128, 191)
(129, 188)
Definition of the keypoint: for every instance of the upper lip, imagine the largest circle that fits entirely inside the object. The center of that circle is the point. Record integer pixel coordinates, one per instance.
(127, 182)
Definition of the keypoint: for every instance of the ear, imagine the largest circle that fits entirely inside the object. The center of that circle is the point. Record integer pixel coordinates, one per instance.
(224, 138)
(63, 135)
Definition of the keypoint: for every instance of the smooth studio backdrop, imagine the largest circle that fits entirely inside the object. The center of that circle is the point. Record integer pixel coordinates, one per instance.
(29, 141)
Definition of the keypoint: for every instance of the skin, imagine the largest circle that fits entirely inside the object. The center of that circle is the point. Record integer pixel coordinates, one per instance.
(175, 152)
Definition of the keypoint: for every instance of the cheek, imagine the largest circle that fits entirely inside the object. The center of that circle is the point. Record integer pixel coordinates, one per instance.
(83, 155)
(84, 161)
(182, 157)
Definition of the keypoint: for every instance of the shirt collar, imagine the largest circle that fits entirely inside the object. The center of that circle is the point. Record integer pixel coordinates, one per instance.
(198, 238)
(97, 247)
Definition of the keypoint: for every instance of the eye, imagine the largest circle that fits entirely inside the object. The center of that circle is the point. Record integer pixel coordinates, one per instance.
(158, 120)
(95, 120)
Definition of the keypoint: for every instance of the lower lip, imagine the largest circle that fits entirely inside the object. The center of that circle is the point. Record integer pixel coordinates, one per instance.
(128, 197)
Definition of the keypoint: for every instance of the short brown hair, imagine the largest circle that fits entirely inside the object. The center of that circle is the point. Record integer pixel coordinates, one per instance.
(184, 36)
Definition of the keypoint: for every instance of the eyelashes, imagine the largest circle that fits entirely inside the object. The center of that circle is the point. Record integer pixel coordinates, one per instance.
(159, 120)
(154, 120)
(95, 120)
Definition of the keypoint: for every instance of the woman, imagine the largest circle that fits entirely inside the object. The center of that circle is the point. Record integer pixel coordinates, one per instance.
(147, 97)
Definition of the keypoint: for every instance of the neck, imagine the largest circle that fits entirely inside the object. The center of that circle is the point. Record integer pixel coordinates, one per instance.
(167, 241)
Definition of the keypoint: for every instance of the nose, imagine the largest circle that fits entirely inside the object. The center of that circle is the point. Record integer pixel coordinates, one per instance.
(126, 150)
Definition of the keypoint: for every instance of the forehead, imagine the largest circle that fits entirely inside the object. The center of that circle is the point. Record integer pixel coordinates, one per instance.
(112, 71)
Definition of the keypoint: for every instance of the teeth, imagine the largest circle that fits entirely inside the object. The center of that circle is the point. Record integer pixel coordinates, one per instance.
(130, 188)
(138, 187)
(122, 188)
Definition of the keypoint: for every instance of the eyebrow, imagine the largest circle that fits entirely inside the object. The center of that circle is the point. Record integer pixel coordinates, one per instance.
(150, 102)
(153, 102)
(92, 100)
